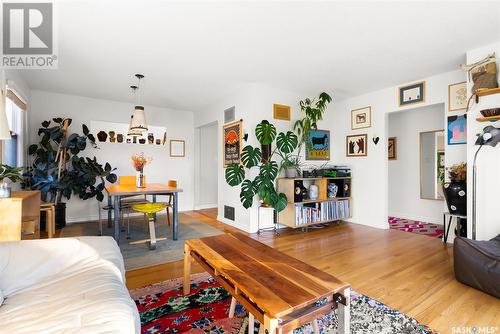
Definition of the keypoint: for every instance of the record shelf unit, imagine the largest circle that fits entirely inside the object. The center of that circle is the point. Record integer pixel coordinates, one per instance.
(303, 212)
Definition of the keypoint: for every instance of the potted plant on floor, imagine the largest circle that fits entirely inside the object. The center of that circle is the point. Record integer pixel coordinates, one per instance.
(251, 158)
(58, 170)
(455, 191)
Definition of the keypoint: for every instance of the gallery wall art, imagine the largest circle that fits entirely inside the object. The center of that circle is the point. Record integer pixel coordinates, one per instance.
(356, 145)
(410, 94)
(457, 129)
(116, 133)
(232, 135)
(457, 96)
(361, 118)
(318, 145)
(392, 147)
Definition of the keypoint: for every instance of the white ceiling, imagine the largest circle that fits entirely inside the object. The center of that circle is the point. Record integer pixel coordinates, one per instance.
(195, 53)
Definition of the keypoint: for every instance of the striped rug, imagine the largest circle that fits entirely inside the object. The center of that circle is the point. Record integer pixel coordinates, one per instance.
(413, 226)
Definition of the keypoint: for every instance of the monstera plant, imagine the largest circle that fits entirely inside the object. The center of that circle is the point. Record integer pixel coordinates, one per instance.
(251, 157)
(313, 110)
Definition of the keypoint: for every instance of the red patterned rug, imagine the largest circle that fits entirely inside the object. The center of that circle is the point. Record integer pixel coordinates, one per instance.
(163, 308)
(407, 225)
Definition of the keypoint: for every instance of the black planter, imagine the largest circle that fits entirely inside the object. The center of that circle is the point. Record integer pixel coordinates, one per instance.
(60, 215)
(455, 194)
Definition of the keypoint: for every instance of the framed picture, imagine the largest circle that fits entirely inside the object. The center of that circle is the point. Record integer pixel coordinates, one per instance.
(177, 148)
(392, 148)
(318, 145)
(357, 145)
(281, 112)
(457, 96)
(457, 129)
(232, 135)
(440, 167)
(414, 93)
(361, 118)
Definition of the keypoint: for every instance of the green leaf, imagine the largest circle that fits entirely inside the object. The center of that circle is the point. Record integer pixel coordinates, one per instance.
(251, 156)
(85, 130)
(287, 143)
(234, 174)
(32, 149)
(265, 132)
(248, 190)
(269, 170)
(279, 201)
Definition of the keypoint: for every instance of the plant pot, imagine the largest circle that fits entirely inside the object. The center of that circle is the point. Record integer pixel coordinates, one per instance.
(60, 215)
(455, 194)
(291, 172)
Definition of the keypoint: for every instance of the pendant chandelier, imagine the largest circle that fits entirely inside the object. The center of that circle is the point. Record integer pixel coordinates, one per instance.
(138, 122)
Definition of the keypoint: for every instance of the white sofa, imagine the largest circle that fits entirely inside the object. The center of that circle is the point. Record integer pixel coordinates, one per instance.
(65, 285)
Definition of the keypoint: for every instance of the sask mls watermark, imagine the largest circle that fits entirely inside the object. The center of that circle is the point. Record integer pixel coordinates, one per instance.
(28, 38)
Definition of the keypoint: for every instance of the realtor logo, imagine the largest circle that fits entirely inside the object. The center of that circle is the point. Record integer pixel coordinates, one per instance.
(28, 35)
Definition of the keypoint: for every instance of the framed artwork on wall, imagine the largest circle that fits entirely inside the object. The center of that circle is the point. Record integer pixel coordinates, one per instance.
(281, 112)
(392, 147)
(177, 148)
(457, 129)
(361, 118)
(357, 145)
(318, 145)
(457, 96)
(410, 94)
(232, 135)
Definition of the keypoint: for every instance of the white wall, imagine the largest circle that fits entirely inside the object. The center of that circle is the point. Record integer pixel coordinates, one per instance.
(488, 162)
(179, 125)
(253, 103)
(370, 174)
(207, 164)
(404, 172)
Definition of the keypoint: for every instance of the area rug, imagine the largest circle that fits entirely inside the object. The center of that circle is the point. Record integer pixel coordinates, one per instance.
(407, 225)
(139, 255)
(164, 309)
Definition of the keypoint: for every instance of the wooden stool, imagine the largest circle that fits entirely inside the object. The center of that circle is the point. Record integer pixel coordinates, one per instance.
(50, 218)
(150, 209)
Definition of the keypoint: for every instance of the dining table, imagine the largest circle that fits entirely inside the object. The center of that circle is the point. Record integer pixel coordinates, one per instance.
(117, 191)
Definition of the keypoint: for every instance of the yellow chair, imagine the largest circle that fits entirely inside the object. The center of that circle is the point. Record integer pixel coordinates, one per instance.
(150, 209)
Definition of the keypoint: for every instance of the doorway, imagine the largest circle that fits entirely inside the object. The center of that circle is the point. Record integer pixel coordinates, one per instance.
(416, 170)
(206, 185)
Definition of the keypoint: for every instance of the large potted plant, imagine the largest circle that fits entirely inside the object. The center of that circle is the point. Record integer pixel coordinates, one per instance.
(455, 191)
(251, 158)
(58, 170)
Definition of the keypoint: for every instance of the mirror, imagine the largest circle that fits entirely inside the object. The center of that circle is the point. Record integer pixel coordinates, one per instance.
(432, 164)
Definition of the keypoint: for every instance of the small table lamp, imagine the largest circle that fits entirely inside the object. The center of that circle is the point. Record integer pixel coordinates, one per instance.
(491, 137)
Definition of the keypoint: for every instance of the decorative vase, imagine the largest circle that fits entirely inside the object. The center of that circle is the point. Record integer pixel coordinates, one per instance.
(140, 179)
(112, 137)
(291, 172)
(332, 190)
(5, 190)
(455, 194)
(313, 192)
(119, 138)
(102, 136)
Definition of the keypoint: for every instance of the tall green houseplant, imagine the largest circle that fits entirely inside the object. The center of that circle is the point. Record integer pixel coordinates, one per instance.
(251, 157)
(57, 168)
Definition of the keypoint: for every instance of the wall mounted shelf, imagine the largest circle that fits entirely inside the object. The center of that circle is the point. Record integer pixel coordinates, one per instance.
(485, 92)
(488, 119)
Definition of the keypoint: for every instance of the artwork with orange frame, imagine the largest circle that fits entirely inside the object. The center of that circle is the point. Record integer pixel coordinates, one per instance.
(232, 142)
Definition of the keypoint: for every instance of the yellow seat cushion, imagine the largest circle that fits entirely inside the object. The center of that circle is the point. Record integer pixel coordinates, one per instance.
(149, 207)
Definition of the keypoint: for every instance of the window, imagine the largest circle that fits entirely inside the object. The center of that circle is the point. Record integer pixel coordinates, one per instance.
(13, 149)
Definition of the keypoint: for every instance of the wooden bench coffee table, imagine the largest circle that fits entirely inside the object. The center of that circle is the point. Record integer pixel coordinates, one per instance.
(282, 292)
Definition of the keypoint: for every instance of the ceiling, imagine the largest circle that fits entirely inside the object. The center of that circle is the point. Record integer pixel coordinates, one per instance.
(196, 53)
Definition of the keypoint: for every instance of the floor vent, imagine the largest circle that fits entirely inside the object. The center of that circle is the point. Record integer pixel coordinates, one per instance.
(229, 212)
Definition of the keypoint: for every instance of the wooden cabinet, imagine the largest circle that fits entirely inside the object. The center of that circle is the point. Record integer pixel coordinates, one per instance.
(306, 212)
(20, 216)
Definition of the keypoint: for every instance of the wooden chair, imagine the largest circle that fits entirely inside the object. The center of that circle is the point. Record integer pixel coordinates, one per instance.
(50, 218)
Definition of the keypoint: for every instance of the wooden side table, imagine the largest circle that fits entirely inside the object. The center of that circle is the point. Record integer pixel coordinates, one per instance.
(20, 216)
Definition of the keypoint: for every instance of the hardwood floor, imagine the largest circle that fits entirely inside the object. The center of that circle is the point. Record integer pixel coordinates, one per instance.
(409, 272)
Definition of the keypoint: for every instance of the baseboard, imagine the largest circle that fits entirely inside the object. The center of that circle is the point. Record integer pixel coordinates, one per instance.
(417, 218)
(205, 206)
